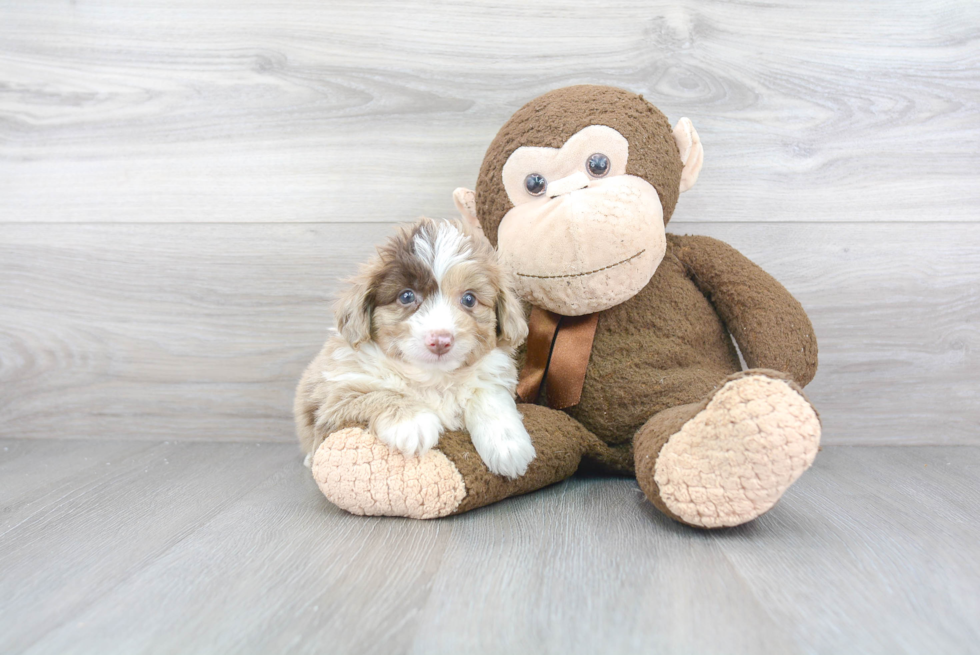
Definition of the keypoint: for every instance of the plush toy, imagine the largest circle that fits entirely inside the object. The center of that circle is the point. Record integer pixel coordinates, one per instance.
(629, 367)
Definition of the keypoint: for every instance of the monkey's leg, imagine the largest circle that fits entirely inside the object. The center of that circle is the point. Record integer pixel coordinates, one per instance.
(728, 459)
(360, 474)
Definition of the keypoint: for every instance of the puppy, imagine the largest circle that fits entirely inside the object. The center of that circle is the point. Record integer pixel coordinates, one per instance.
(425, 343)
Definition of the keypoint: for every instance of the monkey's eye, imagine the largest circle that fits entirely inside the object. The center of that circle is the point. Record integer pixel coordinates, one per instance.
(406, 297)
(535, 184)
(468, 300)
(598, 165)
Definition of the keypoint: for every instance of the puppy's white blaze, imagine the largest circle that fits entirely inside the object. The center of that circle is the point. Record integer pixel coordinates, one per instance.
(451, 247)
(422, 248)
(435, 314)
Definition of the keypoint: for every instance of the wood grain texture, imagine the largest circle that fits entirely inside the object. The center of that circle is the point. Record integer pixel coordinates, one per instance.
(165, 331)
(79, 539)
(230, 548)
(201, 331)
(374, 111)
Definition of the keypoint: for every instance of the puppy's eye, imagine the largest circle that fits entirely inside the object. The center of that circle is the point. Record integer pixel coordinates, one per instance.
(598, 165)
(406, 297)
(468, 300)
(535, 184)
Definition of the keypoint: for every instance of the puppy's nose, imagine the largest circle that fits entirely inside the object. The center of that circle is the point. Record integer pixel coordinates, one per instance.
(439, 342)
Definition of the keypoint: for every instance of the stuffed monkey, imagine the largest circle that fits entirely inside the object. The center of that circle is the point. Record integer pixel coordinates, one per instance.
(629, 367)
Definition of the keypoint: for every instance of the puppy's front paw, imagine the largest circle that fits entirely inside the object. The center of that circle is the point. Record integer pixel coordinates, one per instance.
(504, 445)
(414, 436)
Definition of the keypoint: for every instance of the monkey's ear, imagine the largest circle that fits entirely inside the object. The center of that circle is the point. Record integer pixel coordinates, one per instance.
(353, 312)
(465, 201)
(692, 153)
(511, 324)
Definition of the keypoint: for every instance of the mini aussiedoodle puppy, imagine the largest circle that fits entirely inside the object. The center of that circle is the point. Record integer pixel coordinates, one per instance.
(425, 343)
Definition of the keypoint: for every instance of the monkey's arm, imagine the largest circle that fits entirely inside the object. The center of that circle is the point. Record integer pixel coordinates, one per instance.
(768, 323)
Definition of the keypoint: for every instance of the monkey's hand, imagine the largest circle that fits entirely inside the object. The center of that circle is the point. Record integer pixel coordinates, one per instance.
(498, 433)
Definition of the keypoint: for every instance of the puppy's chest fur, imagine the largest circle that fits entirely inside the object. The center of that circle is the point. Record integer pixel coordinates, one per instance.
(348, 373)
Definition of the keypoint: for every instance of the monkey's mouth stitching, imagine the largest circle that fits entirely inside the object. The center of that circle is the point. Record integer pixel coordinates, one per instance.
(604, 268)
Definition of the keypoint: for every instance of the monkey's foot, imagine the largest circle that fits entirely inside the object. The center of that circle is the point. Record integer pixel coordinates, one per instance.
(360, 474)
(732, 461)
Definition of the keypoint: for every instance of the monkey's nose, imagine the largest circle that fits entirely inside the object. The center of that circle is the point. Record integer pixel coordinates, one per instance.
(573, 182)
(439, 342)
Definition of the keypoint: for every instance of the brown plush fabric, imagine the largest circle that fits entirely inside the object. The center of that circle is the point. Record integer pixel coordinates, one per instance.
(669, 345)
(657, 360)
(659, 357)
(651, 439)
(768, 323)
(559, 441)
(549, 120)
(665, 346)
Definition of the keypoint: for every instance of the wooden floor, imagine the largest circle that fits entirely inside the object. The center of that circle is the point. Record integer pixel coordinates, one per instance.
(176, 547)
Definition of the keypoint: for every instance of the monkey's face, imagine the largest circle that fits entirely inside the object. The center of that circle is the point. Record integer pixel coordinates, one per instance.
(582, 235)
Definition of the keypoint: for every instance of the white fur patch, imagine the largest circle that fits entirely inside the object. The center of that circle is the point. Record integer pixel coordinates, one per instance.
(497, 430)
(435, 314)
(451, 247)
(444, 393)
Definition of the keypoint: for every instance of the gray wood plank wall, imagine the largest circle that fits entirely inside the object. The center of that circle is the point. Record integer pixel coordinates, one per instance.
(182, 183)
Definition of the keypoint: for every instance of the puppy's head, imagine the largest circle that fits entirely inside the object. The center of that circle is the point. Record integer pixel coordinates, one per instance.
(433, 296)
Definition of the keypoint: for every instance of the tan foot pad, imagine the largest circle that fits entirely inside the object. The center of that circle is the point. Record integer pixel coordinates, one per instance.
(360, 474)
(733, 460)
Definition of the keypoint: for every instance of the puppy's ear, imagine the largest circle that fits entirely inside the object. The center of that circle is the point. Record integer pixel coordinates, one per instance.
(353, 312)
(511, 323)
